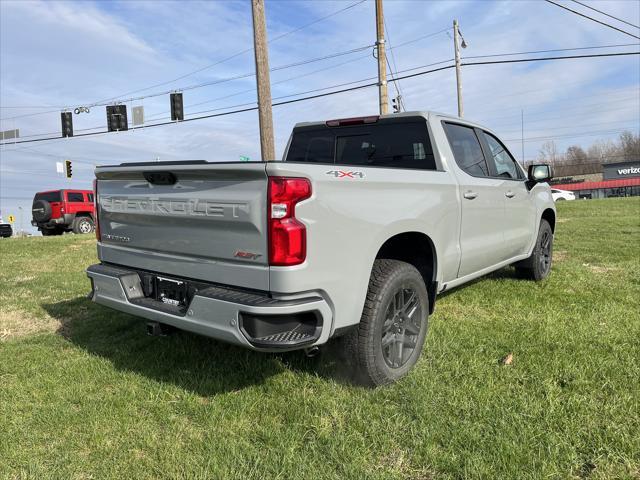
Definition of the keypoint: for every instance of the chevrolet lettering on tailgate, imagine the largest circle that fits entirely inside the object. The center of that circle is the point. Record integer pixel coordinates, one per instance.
(190, 207)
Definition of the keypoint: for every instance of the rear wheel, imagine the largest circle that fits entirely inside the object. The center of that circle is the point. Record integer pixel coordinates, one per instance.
(390, 336)
(83, 225)
(538, 266)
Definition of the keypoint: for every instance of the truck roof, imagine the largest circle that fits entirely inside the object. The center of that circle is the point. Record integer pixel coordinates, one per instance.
(416, 113)
(66, 190)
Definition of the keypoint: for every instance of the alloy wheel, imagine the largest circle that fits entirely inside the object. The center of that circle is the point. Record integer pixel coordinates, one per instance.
(401, 327)
(545, 252)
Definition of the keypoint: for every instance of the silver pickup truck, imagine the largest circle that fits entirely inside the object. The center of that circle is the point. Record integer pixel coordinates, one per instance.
(353, 235)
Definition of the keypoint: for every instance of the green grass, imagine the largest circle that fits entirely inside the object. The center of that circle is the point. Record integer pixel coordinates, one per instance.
(84, 393)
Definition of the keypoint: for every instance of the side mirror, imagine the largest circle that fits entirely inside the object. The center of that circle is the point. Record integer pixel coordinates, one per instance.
(540, 173)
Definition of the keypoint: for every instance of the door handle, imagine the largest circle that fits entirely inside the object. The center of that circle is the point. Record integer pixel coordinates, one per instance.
(470, 195)
(510, 194)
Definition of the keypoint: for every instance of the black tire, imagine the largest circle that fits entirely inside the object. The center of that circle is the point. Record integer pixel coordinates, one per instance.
(83, 225)
(41, 211)
(561, 199)
(538, 266)
(395, 289)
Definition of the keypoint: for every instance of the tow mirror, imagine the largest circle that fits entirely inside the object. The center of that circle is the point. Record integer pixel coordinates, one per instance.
(540, 173)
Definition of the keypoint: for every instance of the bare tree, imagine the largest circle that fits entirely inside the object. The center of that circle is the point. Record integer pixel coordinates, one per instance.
(549, 153)
(630, 146)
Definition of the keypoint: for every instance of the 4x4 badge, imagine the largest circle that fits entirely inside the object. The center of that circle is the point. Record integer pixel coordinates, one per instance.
(345, 173)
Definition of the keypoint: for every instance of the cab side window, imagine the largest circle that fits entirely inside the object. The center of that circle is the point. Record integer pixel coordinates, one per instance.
(503, 163)
(466, 149)
(75, 197)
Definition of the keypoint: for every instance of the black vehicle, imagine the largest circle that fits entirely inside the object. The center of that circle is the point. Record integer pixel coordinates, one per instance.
(5, 229)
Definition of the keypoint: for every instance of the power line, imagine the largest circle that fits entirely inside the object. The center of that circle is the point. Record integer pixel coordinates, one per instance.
(569, 135)
(333, 55)
(492, 62)
(554, 50)
(604, 13)
(370, 78)
(25, 149)
(582, 125)
(111, 99)
(396, 84)
(246, 75)
(565, 57)
(237, 54)
(212, 82)
(592, 19)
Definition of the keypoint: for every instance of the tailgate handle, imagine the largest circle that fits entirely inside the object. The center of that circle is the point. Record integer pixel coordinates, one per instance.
(160, 178)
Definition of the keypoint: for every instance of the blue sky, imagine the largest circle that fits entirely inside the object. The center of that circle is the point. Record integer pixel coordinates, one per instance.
(57, 54)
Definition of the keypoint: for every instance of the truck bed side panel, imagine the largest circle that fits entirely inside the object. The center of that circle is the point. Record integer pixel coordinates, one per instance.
(349, 219)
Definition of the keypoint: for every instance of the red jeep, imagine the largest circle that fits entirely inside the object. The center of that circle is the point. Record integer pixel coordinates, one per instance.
(59, 211)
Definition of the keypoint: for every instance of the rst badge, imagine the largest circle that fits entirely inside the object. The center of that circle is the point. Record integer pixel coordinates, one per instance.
(345, 173)
(246, 255)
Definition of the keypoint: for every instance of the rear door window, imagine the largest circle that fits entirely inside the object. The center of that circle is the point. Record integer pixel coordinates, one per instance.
(466, 149)
(387, 144)
(90, 197)
(75, 197)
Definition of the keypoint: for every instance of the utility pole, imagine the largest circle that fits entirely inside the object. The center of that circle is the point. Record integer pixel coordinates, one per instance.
(522, 133)
(267, 145)
(456, 44)
(382, 60)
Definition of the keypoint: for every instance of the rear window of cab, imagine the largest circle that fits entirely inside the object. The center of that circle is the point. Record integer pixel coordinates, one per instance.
(48, 196)
(397, 144)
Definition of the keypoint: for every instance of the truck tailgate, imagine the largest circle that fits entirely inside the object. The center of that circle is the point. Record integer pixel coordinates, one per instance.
(205, 221)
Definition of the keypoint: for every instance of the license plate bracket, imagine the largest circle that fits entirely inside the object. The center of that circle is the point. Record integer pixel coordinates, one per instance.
(170, 291)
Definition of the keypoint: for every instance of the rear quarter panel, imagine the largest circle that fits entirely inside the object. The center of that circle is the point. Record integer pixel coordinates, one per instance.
(349, 219)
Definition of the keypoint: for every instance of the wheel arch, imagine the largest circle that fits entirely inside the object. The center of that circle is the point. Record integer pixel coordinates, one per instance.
(550, 216)
(417, 249)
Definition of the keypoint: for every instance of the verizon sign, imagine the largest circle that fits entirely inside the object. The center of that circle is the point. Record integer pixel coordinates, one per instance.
(629, 171)
(614, 171)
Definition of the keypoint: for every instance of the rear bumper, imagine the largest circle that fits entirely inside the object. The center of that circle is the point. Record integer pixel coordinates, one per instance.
(252, 320)
(65, 221)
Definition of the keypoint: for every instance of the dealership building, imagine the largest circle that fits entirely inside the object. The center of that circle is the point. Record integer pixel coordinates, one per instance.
(617, 180)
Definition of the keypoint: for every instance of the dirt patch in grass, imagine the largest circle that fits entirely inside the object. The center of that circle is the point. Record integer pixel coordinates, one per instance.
(601, 269)
(16, 323)
(560, 255)
(80, 245)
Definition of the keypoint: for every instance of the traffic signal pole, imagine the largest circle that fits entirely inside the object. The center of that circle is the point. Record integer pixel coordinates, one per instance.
(265, 116)
(382, 60)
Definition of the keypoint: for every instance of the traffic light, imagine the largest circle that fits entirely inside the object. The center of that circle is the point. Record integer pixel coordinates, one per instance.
(396, 103)
(117, 118)
(67, 124)
(67, 168)
(177, 110)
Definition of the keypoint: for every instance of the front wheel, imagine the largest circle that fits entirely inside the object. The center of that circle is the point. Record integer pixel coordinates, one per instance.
(538, 266)
(390, 336)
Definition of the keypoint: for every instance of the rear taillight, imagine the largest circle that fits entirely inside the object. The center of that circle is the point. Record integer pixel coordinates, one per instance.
(287, 235)
(95, 208)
